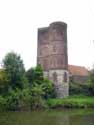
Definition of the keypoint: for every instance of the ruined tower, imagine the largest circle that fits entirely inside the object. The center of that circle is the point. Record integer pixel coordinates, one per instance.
(52, 55)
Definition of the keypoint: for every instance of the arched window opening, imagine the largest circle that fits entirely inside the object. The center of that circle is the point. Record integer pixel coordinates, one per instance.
(65, 77)
(55, 77)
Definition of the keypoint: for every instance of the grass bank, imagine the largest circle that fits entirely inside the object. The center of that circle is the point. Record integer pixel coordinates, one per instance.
(72, 102)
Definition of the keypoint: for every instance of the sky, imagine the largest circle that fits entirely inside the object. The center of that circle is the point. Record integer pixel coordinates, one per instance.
(20, 19)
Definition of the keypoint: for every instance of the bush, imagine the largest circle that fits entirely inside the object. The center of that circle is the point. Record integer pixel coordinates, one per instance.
(37, 93)
(25, 100)
(48, 88)
(78, 89)
(3, 103)
(13, 99)
(18, 100)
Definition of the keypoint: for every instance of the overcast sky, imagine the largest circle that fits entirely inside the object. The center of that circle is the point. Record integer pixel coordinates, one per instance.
(19, 20)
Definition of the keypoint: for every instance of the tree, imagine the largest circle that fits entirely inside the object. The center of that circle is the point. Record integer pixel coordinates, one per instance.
(48, 88)
(37, 100)
(4, 82)
(38, 74)
(91, 81)
(15, 70)
(30, 74)
(35, 75)
(91, 77)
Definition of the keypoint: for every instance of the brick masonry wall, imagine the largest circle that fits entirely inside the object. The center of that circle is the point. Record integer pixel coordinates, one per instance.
(52, 55)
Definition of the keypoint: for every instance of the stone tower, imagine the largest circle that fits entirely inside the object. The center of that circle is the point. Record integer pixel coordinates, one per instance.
(52, 55)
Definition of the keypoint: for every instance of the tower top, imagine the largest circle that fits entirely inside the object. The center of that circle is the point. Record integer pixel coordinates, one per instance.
(54, 24)
(58, 23)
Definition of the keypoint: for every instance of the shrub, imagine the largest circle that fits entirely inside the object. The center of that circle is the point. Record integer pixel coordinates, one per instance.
(78, 89)
(37, 93)
(13, 99)
(3, 103)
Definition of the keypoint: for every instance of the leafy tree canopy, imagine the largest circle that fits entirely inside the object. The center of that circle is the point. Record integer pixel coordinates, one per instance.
(15, 70)
(36, 78)
(35, 75)
(4, 82)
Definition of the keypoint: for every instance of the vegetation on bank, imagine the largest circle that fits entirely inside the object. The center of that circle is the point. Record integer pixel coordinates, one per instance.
(27, 90)
(81, 89)
(72, 102)
(20, 89)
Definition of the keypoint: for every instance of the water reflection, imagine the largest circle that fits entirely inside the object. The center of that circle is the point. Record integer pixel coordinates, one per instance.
(53, 117)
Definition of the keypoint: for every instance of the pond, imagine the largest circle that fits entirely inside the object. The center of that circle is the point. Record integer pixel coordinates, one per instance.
(51, 117)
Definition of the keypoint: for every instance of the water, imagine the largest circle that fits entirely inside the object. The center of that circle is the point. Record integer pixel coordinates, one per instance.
(52, 117)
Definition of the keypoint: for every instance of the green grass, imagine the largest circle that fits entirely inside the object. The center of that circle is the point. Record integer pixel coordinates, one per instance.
(72, 102)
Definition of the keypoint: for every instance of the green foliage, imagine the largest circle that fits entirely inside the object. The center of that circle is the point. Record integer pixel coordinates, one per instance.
(39, 74)
(3, 103)
(18, 100)
(35, 75)
(48, 88)
(85, 89)
(76, 89)
(37, 100)
(41, 88)
(13, 99)
(25, 101)
(30, 74)
(15, 94)
(72, 102)
(14, 68)
(91, 77)
(4, 82)
(91, 82)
